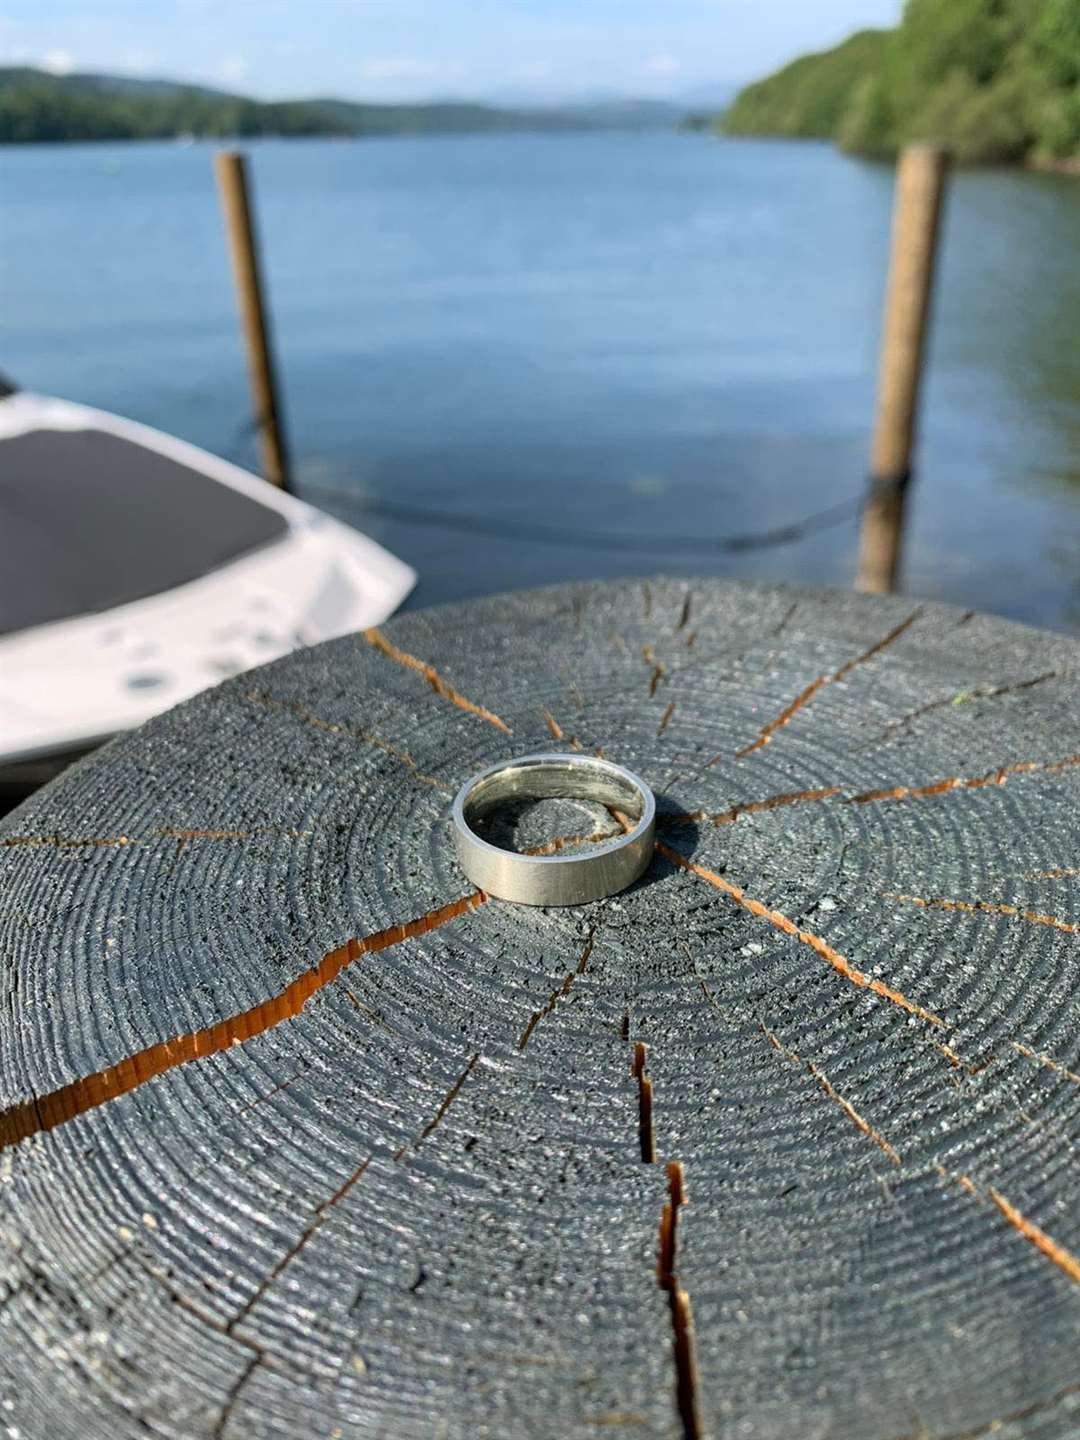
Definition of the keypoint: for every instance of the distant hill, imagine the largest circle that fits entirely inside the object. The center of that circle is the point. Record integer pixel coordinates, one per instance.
(38, 106)
(810, 97)
(996, 81)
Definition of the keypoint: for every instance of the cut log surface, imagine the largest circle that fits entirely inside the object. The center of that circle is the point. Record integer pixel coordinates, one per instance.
(303, 1138)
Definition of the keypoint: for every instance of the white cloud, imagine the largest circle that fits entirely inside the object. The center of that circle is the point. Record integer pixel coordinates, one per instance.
(662, 64)
(58, 62)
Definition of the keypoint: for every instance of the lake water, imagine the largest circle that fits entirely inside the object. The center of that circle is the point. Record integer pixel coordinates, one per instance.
(649, 336)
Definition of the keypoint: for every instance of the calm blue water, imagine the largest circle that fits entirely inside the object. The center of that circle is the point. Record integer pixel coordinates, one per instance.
(656, 335)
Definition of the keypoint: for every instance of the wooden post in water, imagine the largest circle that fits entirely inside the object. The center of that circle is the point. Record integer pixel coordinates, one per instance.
(920, 180)
(231, 169)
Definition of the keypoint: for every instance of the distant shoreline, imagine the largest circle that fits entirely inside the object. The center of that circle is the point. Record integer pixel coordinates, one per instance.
(40, 108)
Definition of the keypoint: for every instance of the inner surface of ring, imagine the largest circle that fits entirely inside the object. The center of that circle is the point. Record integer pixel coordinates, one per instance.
(550, 780)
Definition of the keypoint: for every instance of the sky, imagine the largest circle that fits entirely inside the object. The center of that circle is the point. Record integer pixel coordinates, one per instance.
(419, 49)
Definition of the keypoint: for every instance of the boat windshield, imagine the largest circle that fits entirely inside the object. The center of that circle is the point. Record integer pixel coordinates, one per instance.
(90, 520)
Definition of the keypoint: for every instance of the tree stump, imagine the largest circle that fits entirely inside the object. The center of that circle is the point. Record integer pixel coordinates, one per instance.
(301, 1137)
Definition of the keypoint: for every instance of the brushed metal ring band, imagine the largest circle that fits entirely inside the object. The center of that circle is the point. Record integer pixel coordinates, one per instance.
(555, 879)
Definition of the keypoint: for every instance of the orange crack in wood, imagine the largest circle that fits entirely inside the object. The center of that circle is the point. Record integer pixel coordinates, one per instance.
(815, 942)
(552, 847)
(331, 727)
(941, 787)
(1054, 1252)
(376, 638)
(665, 719)
(987, 907)
(964, 1181)
(958, 1062)
(1046, 1061)
(751, 807)
(863, 1126)
(557, 732)
(768, 731)
(683, 1346)
(45, 1112)
(559, 993)
(658, 670)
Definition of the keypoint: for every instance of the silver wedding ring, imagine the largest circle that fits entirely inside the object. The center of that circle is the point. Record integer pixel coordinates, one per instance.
(555, 879)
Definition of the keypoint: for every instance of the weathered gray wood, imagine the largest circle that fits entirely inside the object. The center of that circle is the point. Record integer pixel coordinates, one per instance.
(419, 1207)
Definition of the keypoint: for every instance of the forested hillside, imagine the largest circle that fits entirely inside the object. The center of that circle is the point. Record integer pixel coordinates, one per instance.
(35, 105)
(995, 80)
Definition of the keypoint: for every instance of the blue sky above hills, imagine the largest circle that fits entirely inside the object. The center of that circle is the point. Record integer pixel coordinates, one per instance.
(414, 49)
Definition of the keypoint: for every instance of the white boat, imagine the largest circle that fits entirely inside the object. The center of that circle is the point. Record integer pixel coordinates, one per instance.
(136, 569)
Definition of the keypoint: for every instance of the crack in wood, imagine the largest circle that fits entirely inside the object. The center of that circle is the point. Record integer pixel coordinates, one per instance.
(861, 1124)
(820, 947)
(557, 732)
(442, 688)
(318, 1219)
(1047, 1246)
(749, 807)
(45, 1112)
(559, 993)
(1045, 1060)
(988, 907)
(767, 731)
(665, 719)
(646, 1131)
(560, 842)
(1055, 1253)
(372, 1016)
(658, 670)
(684, 614)
(231, 1399)
(351, 732)
(276, 1090)
(322, 1214)
(955, 782)
(683, 1346)
(964, 697)
(447, 1100)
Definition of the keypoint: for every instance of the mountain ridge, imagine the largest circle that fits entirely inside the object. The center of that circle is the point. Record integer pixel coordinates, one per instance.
(36, 105)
